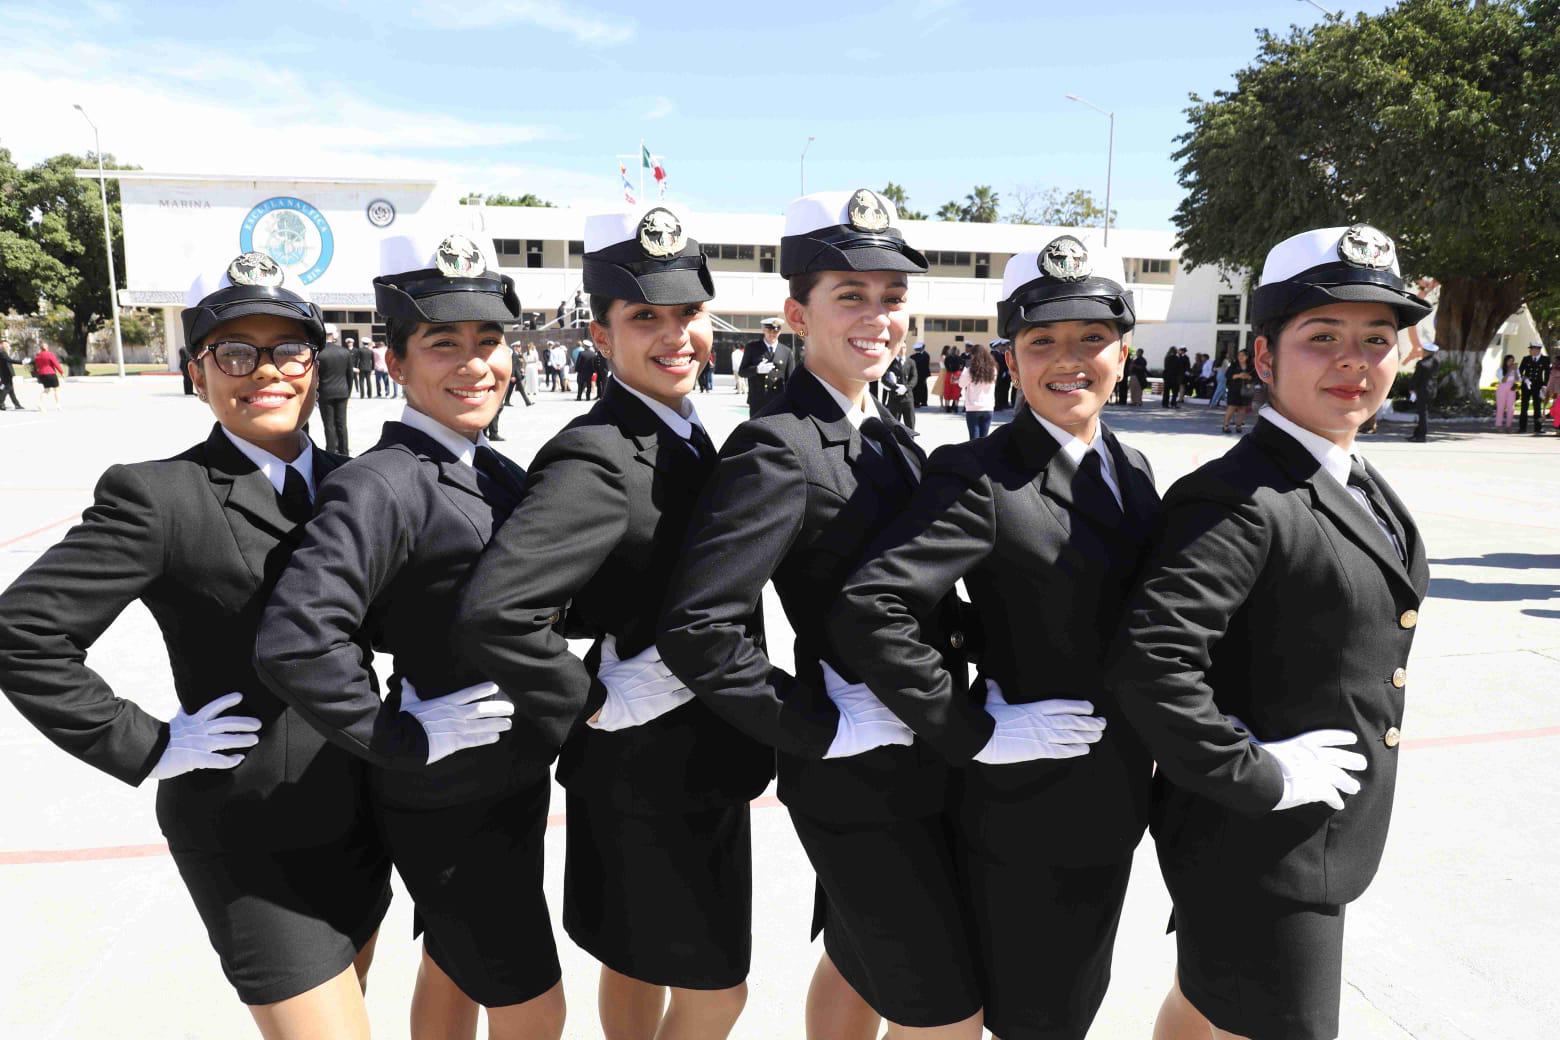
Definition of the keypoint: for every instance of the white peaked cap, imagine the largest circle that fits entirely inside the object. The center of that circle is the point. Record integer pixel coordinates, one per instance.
(415, 249)
(1310, 249)
(1023, 268)
(622, 225)
(208, 282)
(826, 209)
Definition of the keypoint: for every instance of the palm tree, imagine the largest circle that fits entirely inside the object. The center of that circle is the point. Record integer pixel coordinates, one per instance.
(981, 206)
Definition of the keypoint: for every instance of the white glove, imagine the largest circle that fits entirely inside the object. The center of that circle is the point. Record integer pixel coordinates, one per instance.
(456, 721)
(763, 368)
(638, 689)
(1313, 765)
(1041, 729)
(865, 722)
(199, 739)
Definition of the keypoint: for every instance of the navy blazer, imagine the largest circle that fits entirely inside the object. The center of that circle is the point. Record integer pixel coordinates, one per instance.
(599, 530)
(200, 540)
(1048, 575)
(395, 535)
(796, 499)
(1271, 595)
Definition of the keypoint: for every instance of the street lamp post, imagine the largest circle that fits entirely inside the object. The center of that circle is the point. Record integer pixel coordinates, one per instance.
(1110, 155)
(108, 246)
(1335, 15)
(803, 165)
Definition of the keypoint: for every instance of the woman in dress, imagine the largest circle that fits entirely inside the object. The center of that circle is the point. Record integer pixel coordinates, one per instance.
(1263, 656)
(459, 796)
(1238, 385)
(266, 822)
(658, 874)
(798, 494)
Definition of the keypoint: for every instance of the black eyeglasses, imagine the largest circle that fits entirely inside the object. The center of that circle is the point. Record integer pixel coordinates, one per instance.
(241, 359)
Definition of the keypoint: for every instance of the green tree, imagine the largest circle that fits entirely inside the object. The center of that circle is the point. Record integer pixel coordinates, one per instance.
(477, 198)
(69, 228)
(981, 205)
(950, 211)
(1545, 309)
(1076, 208)
(1436, 120)
(896, 194)
(28, 274)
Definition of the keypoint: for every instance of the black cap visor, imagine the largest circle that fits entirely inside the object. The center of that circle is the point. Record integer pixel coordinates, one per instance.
(421, 297)
(684, 279)
(844, 249)
(1106, 302)
(1283, 300)
(235, 302)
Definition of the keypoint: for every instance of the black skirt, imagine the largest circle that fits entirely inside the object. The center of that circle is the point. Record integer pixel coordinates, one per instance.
(1254, 964)
(892, 919)
(284, 922)
(474, 872)
(663, 898)
(49, 382)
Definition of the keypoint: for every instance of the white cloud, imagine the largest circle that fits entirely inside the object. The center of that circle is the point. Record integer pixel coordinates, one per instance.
(586, 27)
(205, 112)
(660, 108)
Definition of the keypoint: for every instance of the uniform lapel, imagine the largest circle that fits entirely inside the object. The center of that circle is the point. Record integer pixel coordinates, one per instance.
(834, 430)
(1057, 471)
(1140, 500)
(250, 503)
(1418, 565)
(655, 445)
(1331, 498)
(458, 479)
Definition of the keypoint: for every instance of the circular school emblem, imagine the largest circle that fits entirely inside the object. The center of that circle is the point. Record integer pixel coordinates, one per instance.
(867, 211)
(380, 213)
(1066, 259)
(661, 234)
(291, 232)
(255, 269)
(459, 257)
(1365, 246)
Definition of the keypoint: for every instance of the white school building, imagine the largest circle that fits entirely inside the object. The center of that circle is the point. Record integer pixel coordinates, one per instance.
(326, 232)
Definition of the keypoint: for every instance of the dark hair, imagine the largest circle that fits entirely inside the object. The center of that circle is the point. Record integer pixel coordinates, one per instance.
(399, 332)
(1507, 363)
(802, 285)
(982, 366)
(599, 305)
(1272, 329)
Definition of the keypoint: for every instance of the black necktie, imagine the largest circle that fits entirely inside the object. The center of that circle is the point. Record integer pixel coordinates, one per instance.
(296, 505)
(888, 444)
(1359, 477)
(1090, 486)
(491, 466)
(699, 441)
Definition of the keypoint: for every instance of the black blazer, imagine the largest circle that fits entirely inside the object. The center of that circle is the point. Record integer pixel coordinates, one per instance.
(199, 539)
(1048, 577)
(600, 528)
(761, 388)
(395, 534)
(795, 499)
(1274, 596)
(334, 363)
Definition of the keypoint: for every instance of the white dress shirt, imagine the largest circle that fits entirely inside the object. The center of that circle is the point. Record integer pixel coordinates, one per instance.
(456, 444)
(680, 424)
(1076, 449)
(1334, 460)
(275, 469)
(853, 411)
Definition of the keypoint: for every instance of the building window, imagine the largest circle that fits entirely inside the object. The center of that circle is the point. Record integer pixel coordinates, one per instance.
(766, 259)
(576, 247)
(533, 253)
(507, 246)
(982, 265)
(1155, 266)
(1225, 343)
(744, 252)
(957, 324)
(1228, 310)
(948, 259)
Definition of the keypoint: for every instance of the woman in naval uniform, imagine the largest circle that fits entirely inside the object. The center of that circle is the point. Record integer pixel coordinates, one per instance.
(461, 800)
(1046, 521)
(658, 874)
(1263, 656)
(266, 822)
(798, 493)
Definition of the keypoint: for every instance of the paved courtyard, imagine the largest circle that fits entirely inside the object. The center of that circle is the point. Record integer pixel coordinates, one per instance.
(1457, 939)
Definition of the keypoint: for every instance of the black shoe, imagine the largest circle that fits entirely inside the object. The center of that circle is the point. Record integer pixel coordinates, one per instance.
(1226, 429)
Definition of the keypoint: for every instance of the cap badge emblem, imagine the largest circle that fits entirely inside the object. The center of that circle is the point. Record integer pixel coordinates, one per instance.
(867, 212)
(458, 257)
(1365, 246)
(1066, 259)
(661, 234)
(255, 269)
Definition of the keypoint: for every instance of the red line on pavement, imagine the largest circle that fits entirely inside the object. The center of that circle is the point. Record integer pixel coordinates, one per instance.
(40, 530)
(35, 856)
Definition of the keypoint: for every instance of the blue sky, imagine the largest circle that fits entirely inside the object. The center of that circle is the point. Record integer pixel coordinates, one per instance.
(537, 95)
